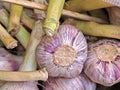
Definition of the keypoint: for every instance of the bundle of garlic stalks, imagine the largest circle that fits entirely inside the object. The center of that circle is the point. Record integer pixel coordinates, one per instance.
(59, 44)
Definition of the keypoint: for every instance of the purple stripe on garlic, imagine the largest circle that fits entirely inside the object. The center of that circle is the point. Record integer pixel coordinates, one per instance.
(103, 62)
(81, 82)
(64, 54)
(9, 61)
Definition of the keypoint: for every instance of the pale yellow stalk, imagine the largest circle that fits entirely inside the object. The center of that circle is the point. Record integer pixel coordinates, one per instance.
(95, 29)
(27, 21)
(86, 5)
(3, 18)
(40, 6)
(14, 20)
(7, 39)
(29, 4)
(22, 35)
(29, 62)
(54, 11)
(24, 75)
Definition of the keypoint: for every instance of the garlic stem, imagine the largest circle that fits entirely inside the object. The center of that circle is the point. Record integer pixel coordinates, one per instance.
(4, 17)
(39, 6)
(86, 5)
(82, 16)
(27, 21)
(14, 21)
(23, 35)
(27, 4)
(54, 11)
(95, 29)
(23, 75)
(7, 39)
(29, 62)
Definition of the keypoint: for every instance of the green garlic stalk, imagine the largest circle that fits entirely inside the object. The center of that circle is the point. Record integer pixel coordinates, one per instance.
(23, 35)
(27, 21)
(95, 29)
(86, 5)
(14, 21)
(29, 62)
(27, 70)
(64, 12)
(3, 17)
(25, 17)
(54, 11)
(7, 39)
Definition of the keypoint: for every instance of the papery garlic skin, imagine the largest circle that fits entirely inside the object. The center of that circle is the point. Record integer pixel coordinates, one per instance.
(81, 82)
(9, 61)
(31, 85)
(67, 63)
(105, 72)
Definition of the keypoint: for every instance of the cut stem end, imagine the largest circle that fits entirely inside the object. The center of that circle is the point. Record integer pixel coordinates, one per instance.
(106, 52)
(64, 55)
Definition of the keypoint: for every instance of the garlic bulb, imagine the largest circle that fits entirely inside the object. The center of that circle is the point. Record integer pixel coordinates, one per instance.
(81, 82)
(103, 63)
(9, 61)
(31, 85)
(64, 54)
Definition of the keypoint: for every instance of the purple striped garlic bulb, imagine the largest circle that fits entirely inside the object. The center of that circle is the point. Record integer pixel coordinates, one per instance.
(9, 61)
(81, 82)
(103, 63)
(64, 54)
